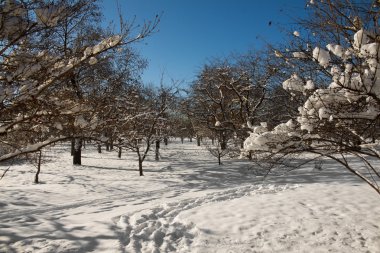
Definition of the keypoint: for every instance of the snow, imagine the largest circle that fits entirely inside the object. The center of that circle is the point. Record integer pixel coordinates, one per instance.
(106, 43)
(300, 55)
(338, 50)
(295, 83)
(184, 203)
(92, 61)
(80, 121)
(309, 85)
(361, 37)
(322, 56)
(278, 54)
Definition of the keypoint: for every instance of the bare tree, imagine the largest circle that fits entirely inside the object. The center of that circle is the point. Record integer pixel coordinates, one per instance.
(139, 130)
(229, 94)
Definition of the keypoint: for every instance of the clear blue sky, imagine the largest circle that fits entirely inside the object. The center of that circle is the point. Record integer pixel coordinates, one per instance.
(191, 32)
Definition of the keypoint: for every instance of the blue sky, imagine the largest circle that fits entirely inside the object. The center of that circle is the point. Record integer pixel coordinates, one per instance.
(192, 32)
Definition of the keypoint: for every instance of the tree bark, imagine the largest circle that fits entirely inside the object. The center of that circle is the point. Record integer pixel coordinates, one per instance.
(198, 140)
(223, 143)
(119, 153)
(181, 139)
(141, 167)
(157, 150)
(99, 148)
(166, 141)
(250, 155)
(36, 180)
(77, 157)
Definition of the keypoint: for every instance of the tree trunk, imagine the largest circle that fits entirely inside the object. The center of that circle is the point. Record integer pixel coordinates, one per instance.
(166, 141)
(191, 139)
(107, 146)
(119, 154)
(198, 140)
(157, 150)
(212, 141)
(36, 181)
(77, 157)
(223, 145)
(219, 160)
(141, 167)
(99, 148)
(181, 139)
(111, 145)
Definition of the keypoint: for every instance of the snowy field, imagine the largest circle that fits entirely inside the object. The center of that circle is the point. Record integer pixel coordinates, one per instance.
(184, 203)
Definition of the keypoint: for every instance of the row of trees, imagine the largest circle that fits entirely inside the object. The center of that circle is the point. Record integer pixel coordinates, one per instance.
(62, 76)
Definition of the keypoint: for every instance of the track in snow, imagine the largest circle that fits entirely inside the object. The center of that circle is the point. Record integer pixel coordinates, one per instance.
(159, 230)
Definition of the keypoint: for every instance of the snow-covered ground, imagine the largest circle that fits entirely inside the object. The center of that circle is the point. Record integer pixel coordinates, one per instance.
(184, 203)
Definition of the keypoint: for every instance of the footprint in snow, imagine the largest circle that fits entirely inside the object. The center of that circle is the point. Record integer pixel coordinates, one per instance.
(159, 230)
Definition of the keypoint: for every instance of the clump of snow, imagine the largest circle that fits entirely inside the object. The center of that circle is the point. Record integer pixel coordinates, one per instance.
(58, 126)
(295, 83)
(107, 43)
(370, 50)
(322, 56)
(261, 129)
(296, 33)
(278, 54)
(80, 122)
(361, 37)
(338, 50)
(264, 140)
(92, 61)
(309, 85)
(300, 55)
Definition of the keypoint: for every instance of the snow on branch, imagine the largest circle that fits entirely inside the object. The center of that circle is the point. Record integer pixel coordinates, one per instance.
(352, 96)
(31, 148)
